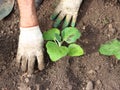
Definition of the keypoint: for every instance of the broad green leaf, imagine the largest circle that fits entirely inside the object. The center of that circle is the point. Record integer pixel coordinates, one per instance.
(75, 50)
(117, 55)
(70, 34)
(50, 34)
(110, 48)
(55, 52)
(58, 37)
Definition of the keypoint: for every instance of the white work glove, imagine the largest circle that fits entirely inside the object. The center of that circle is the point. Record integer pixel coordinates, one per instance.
(30, 48)
(67, 9)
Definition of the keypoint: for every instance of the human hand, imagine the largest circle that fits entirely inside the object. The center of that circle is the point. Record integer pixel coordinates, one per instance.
(30, 49)
(67, 9)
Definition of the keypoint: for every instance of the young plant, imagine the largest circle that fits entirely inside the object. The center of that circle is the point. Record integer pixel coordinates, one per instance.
(55, 40)
(111, 48)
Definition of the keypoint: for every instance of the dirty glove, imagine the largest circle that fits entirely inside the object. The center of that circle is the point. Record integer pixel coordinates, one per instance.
(30, 48)
(67, 9)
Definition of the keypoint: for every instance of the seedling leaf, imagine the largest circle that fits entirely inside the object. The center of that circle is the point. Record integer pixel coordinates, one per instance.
(57, 36)
(50, 34)
(75, 50)
(117, 55)
(111, 48)
(55, 52)
(70, 34)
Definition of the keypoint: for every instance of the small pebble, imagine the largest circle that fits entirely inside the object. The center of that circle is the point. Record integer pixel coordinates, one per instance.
(97, 68)
(26, 80)
(111, 29)
(99, 82)
(47, 88)
(37, 87)
(3, 67)
(84, 27)
(89, 86)
(92, 72)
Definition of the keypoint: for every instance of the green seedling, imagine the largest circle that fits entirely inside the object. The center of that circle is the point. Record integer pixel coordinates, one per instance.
(56, 39)
(111, 48)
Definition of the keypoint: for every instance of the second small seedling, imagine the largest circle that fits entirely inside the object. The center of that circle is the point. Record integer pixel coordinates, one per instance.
(111, 48)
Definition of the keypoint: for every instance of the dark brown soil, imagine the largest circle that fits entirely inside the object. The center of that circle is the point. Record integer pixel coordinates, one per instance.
(98, 20)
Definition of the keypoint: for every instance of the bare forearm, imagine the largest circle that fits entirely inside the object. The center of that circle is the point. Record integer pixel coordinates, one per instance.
(28, 16)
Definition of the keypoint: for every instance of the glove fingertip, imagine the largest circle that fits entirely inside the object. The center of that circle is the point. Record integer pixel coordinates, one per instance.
(40, 60)
(53, 16)
(57, 22)
(31, 63)
(18, 58)
(65, 24)
(73, 24)
(41, 66)
(24, 64)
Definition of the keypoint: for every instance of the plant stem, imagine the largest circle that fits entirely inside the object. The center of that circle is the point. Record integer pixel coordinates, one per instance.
(59, 43)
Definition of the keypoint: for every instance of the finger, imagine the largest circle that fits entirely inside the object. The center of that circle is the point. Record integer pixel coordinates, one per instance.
(66, 21)
(31, 63)
(59, 19)
(54, 15)
(18, 60)
(40, 60)
(24, 64)
(73, 22)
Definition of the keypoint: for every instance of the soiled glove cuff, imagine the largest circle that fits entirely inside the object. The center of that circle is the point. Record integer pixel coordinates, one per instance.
(30, 31)
(30, 34)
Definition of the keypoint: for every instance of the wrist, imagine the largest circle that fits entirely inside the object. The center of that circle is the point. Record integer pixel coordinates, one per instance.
(26, 10)
(28, 16)
(23, 3)
(28, 21)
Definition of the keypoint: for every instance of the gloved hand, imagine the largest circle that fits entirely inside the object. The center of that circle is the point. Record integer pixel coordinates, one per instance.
(30, 48)
(67, 9)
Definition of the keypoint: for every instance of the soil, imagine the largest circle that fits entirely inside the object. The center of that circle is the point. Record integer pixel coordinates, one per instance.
(98, 21)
